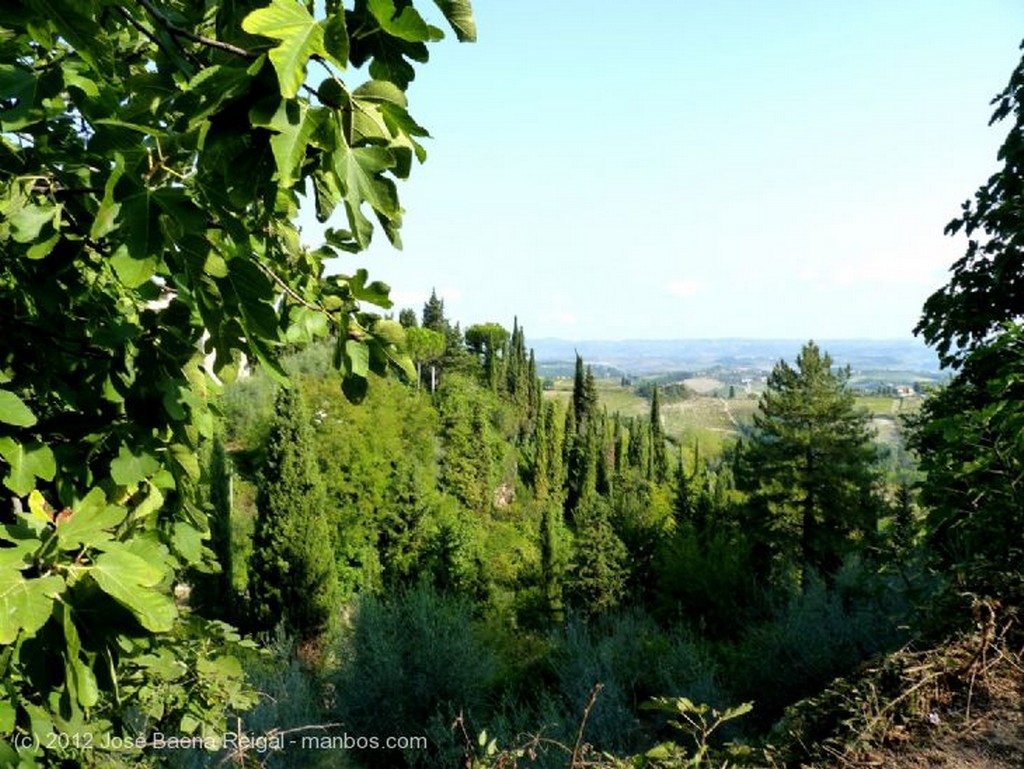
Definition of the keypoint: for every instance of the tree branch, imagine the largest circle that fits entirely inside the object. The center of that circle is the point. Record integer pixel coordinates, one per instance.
(177, 31)
(288, 289)
(145, 31)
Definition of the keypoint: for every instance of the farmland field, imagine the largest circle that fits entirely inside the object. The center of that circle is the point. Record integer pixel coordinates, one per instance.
(712, 421)
(706, 419)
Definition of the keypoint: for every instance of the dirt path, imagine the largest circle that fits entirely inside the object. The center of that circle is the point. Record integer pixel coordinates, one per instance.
(728, 413)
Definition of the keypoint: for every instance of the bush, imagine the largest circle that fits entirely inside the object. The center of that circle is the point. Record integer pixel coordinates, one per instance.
(817, 635)
(634, 660)
(408, 666)
(707, 582)
(290, 698)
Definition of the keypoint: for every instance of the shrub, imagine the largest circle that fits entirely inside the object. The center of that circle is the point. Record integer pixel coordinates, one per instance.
(817, 635)
(635, 660)
(407, 667)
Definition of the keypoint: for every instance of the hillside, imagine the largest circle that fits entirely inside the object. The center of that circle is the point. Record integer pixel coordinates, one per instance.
(958, 705)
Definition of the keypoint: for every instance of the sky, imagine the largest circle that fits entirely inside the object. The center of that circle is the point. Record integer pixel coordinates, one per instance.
(681, 169)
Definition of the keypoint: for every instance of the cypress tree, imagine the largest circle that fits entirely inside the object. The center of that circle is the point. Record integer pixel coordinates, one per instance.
(682, 502)
(617, 444)
(550, 576)
(293, 575)
(659, 453)
(534, 389)
(556, 461)
(599, 569)
(578, 406)
(542, 459)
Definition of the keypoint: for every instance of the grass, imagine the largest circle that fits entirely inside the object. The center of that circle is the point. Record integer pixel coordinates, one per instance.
(887, 406)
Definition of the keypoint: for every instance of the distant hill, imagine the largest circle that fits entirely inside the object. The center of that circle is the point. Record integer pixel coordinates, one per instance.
(640, 357)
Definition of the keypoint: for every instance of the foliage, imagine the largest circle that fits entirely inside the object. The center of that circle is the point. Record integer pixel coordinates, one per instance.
(707, 581)
(408, 662)
(292, 576)
(291, 705)
(380, 469)
(968, 434)
(698, 722)
(809, 465)
(633, 659)
(152, 157)
(596, 577)
(469, 439)
(986, 289)
(489, 342)
(820, 633)
(659, 451)
(433, 314)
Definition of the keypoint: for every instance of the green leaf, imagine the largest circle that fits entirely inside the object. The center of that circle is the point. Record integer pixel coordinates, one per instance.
(188, 541)
(406, 25)
(294, 124)
(90, 522)
(186, 459)
(7, 716)
(130, 580)
(25, 604)
(42, 249)
(130, 468)
(20, 86)
(355, 388)
(107, 213)
(28, 462)
(357, 358)
(152, 502)
(737, 711)
(376, 292)
(27, 221)
(336, 39)
(300, 37)
(81, 679)
(131, 271)
(359, 173)
(459, 14)
(13, 410)
(382, 90)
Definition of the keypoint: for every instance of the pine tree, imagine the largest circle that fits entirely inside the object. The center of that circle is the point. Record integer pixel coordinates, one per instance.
(292, 573)
(810, 463)
(433, 314)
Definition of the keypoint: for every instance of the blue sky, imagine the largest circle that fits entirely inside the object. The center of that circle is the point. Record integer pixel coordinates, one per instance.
(688, 169)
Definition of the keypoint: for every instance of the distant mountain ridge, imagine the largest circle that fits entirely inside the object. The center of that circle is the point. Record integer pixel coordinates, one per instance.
(652, 356)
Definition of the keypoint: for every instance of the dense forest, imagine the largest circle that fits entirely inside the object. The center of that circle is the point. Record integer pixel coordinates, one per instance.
(255, 517)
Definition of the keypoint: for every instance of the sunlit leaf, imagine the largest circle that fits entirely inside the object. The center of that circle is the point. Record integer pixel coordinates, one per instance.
(13, 410)
(25, 604)
(130, 581)
(300, 37)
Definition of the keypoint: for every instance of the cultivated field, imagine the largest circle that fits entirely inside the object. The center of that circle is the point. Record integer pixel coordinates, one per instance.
(711, 420)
